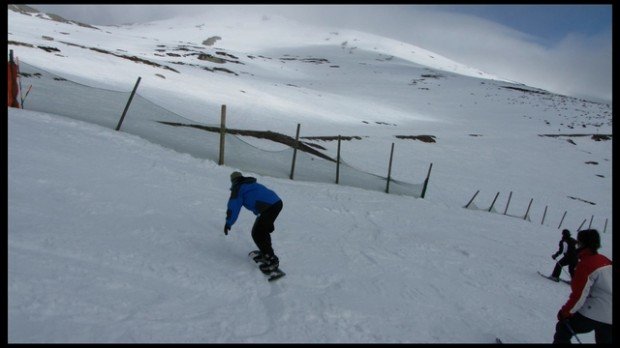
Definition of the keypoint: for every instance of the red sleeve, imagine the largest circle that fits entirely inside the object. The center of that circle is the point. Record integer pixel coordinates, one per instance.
(580, 287)
(581, 282)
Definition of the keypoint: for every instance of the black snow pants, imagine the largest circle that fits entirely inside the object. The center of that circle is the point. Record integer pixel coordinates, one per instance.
(571, 262)
(581, 324)
(263, 226)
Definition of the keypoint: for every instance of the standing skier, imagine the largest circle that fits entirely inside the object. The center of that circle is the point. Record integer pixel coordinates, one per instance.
(589, 304)
(566, 247)
(264, 203)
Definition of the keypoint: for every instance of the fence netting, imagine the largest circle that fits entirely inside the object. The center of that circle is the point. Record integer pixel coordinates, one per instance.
(54, 94)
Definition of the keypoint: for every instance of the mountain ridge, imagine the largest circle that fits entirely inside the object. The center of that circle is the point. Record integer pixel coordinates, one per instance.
(345, 37)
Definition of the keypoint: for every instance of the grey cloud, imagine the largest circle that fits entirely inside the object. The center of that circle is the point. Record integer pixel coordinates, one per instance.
(114, 14)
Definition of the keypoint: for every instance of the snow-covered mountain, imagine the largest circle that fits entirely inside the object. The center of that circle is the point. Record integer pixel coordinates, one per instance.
(363, 266)
(273, 73)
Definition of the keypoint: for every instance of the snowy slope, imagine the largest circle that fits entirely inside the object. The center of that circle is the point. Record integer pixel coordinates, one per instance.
(115, 239)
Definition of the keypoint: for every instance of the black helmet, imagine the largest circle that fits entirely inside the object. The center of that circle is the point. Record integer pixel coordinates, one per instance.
(235, 175)
(566, 233)
(589, 239)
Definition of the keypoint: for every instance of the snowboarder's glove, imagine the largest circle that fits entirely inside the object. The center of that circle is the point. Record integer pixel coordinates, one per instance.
(226, 229)
(562, 315)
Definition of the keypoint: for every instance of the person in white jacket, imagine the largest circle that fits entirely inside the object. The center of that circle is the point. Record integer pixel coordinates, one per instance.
(589, 306)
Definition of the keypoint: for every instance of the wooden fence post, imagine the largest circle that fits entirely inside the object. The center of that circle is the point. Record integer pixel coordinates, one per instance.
(472, 199)
(118, 126)
(508, 203)
(338, 162)
(563, 216)
(492, 204)
(295, 152)
(528, 209)
(387, 187)
(428, 175)
(222, 134)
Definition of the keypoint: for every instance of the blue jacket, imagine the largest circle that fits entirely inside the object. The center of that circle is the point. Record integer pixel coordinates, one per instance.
(246, 192)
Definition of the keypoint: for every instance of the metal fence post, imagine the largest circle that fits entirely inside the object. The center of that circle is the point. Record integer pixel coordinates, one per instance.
(508, 203)
(544, 214)
(472, 199)
(120, 122)
(528, 209)
(563, 216)
(387, 187)
(584, 221)
(338, 162)
(428, 175)
(222, 134)
(295, 152)
(492, 204)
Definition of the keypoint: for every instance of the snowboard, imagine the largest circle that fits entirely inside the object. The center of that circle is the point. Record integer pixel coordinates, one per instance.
(272, 275)
(549, 277)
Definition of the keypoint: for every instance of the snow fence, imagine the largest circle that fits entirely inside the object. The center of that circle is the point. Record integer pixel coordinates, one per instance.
(54, 94)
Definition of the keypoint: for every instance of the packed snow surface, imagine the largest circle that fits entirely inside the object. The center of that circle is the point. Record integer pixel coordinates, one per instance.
(115, 239)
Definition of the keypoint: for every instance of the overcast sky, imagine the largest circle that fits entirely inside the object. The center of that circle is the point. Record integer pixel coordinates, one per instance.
(566, 49)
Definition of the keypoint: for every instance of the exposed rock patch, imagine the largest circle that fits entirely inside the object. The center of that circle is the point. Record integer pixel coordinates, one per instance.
(273, 136)
(424, 138)
(211, 41)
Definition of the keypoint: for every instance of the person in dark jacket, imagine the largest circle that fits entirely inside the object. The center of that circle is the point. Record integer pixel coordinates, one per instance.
(567, 247)
(265, 204)
(589, 305)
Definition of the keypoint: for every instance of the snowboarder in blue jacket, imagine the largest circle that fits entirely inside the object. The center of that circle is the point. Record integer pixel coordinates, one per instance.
(264, 203)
